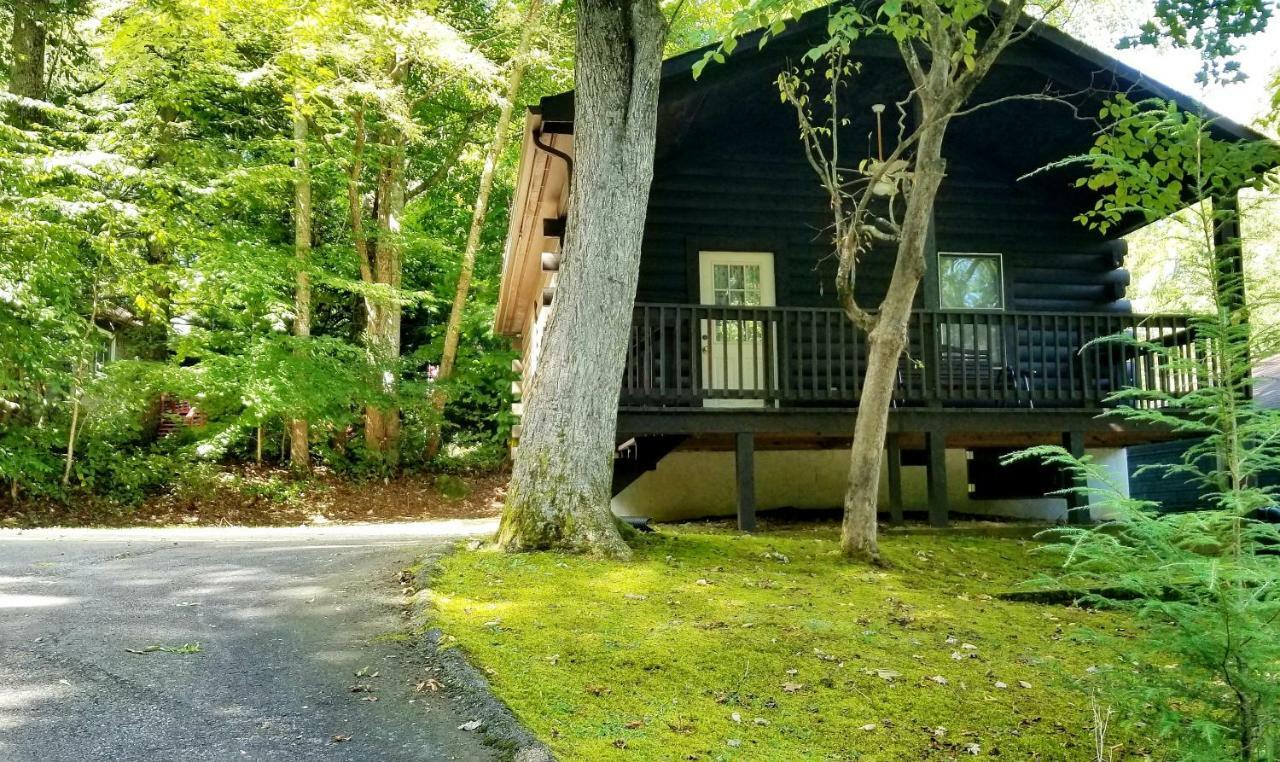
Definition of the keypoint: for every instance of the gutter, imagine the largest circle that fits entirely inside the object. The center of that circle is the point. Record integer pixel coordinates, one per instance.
(568, 160)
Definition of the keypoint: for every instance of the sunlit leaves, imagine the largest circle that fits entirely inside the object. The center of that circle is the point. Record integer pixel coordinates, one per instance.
(1154, 158)
(1214, 28)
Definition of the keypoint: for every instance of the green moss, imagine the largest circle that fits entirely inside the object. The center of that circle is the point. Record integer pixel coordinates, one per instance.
(651, 659)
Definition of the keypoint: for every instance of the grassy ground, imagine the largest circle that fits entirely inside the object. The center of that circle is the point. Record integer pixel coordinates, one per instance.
(711, 645)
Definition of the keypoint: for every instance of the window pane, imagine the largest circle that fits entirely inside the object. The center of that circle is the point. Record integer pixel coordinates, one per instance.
(720, 276)
(970, 282)
(735, 276)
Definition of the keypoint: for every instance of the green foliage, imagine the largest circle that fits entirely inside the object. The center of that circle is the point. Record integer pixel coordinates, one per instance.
(1204, 586)
(147, 208)
(1154, 158)
(1203, 583)
(1214, 28)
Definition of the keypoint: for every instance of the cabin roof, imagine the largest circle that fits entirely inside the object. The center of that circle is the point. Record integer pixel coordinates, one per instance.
(557, 110)
(734, 106)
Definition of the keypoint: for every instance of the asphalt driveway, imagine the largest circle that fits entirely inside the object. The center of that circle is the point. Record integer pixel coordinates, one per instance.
(284, 619)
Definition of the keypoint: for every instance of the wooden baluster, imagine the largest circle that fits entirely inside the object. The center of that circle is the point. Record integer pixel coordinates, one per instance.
(830, 354)
(784, 352)
(813, 354)
(696, 354)
(933, 356)
(676, 340)
(1073, 392)
(663, 358)
(652, 369)
(741, 331)
(843, 341)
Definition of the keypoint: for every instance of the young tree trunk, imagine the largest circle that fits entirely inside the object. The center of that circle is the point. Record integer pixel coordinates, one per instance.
(84, 364)
(299, 431)
(382, 422)
(452, 331)
(885, 345)
(560, 488)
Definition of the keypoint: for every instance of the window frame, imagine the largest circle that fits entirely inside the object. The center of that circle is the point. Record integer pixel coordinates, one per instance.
(999, 258)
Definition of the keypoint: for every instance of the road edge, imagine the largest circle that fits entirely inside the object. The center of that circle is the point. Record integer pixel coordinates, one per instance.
(499, 725)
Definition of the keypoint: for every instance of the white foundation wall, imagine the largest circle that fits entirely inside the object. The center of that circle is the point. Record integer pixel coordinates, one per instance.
(694, 484)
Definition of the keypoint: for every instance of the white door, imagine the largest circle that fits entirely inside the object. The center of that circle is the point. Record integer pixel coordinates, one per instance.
(733, 342)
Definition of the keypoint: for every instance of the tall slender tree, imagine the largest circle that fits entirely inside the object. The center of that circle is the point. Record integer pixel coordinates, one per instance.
(560, 489)
(449, 356)
(299, 428)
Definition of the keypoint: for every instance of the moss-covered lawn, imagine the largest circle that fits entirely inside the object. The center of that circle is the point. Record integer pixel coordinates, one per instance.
(711, 645)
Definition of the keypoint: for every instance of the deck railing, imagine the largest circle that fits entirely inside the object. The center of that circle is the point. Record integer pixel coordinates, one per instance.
(693, 355)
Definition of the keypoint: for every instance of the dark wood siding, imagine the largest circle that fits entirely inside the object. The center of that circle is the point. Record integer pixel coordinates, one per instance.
(744, 197)
(1175, 492)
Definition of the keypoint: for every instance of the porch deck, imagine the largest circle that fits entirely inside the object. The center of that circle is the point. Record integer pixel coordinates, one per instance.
(696, 356)
(730, 377)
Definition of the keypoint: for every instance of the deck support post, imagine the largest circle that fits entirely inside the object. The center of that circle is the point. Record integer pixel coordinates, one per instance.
(893, 460)
(935, 444)
(1077, 502)
(746, 476)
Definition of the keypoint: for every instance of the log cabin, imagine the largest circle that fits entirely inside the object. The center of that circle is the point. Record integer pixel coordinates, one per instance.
(742, 374)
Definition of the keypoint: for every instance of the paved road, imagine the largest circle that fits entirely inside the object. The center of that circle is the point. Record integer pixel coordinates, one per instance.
(284, 619)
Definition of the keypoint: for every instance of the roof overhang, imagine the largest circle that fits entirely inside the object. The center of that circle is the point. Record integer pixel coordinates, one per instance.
(1079, 73)
(541, 193)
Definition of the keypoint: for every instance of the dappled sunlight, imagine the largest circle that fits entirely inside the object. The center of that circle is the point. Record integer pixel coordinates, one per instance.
(662, 650)
(252, 613)
(342, 535)
(339, 657)
(28, 580)
(23, 702)
(156, 640)
(300, 592)
(144, 582)
(30, 601)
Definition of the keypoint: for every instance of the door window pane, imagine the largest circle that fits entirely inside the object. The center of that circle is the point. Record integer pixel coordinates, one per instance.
(970, 282)
(736, 285)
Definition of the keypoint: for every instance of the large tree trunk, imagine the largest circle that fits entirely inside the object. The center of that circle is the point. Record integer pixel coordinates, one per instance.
(560, 489)
(454, 329)
(885, 344)
(382, 422)
(299, 433)
(27, 43)
(27, 49)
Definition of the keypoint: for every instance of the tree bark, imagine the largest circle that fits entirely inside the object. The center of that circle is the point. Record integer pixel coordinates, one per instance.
(27, 47)
(299, 430)
(943, 82)
(453, 330)
(27, 44)
(885, 344)
(382, 422)
(560, 488)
